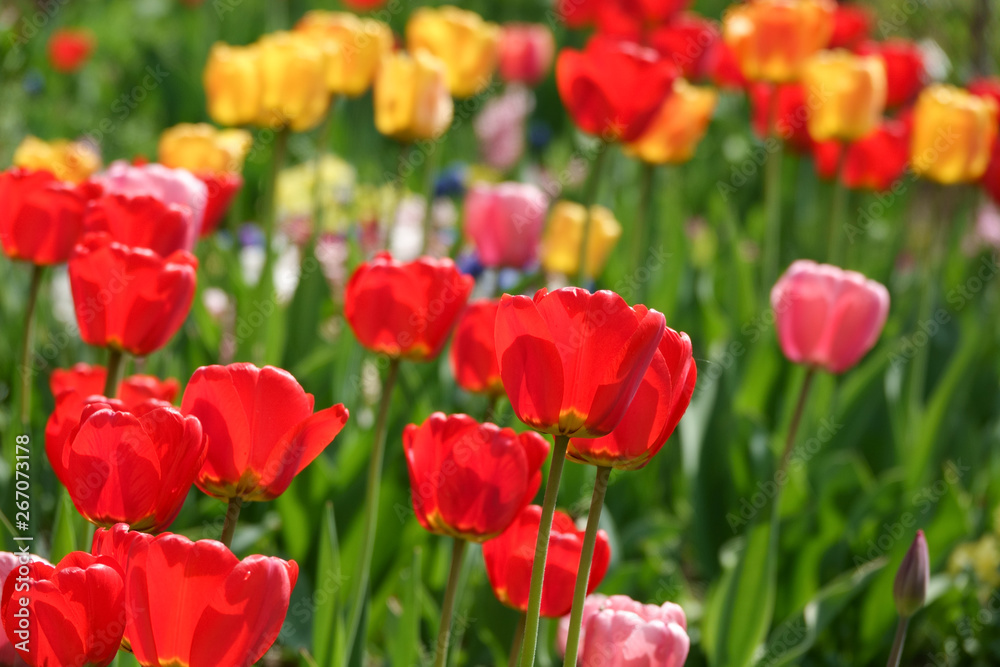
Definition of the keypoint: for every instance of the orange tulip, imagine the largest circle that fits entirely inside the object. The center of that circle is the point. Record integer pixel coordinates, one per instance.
(468, 45)
(411, 97)
(953, 134)
(772, 38)
(70, 161)
(357, 46)
(848, 94)
(678, 126)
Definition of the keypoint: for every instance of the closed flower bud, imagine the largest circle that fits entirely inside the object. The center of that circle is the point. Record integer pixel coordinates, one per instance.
(202, 149)
(561, 246)
(232, 84)
(909, 590)
(293, 82)
(526, 52)
(411, 97)
(849, 93)
(771, 39)
(465, 43)
(953, 134)
(678, 126)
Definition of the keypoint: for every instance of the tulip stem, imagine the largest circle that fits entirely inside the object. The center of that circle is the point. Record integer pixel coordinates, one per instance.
(114, 376)
(897, 644)
(232, 516)
(586, 558)
(37, 273)
(837, 211)
(793, 427)
(371, 508)
(515, 645)
(588, 199)
(771, 251)
(644, 225)
(322, 141)
(541, 551)
(432, 162)
(448, 604)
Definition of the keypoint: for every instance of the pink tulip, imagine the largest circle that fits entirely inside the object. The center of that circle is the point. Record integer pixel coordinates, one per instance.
(505, 222)
(526, 52)
(826, 316)
(617, 631)
(501, 127)
(174, 187)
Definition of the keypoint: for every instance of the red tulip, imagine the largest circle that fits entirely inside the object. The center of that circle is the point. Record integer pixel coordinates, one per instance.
(469, 480)
(792, 113)
(70, 48)
(659, 404)
(9, 563)
(474, 351)
(613, 89)
(571, 361)
(578, 13)
(689, 41)
(261, 429)
(73, 389)
(70, 615)
(991, 177)
(986, 87)
(41, 218)
(873, 163)
(222, 189)
(200, 605)
(129, 298)
(851, 25)
(723, 69)
(510, 556)
(526, 52)
(140, 222)
(827, 317)
(364, 5)
(405, 310)
(133, 465)
(631, 18)
(905, 74)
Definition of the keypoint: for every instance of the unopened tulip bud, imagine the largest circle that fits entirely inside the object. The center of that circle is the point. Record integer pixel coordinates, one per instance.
(910, 589)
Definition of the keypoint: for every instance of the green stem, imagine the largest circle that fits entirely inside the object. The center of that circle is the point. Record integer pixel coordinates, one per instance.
(27, 341)
(232, 516)
(586, 557)
(793, 427)
(115, 359)
(322, 141)
(398, 194)
(515, 645)
(448, 605)
(541, 551)
(642, 237)
(430, 167)
(771, 251)
(588, 199)
(371, 508)
(897, 644)
(837, 211)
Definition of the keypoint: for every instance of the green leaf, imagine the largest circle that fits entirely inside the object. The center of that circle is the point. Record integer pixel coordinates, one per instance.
(404, 636)
(327, 620)
(64, 529)
(738, 617)
(797, 634)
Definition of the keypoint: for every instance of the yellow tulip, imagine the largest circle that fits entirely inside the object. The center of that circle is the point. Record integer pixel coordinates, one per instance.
(232, 84)
(411, 97)
(202, 149)
(770, 39)
(953, 134)
(563, 234)
(847, 94)
(71, 161)
(359, 45)
(468, 45)
(293, 82)
(678, 126)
